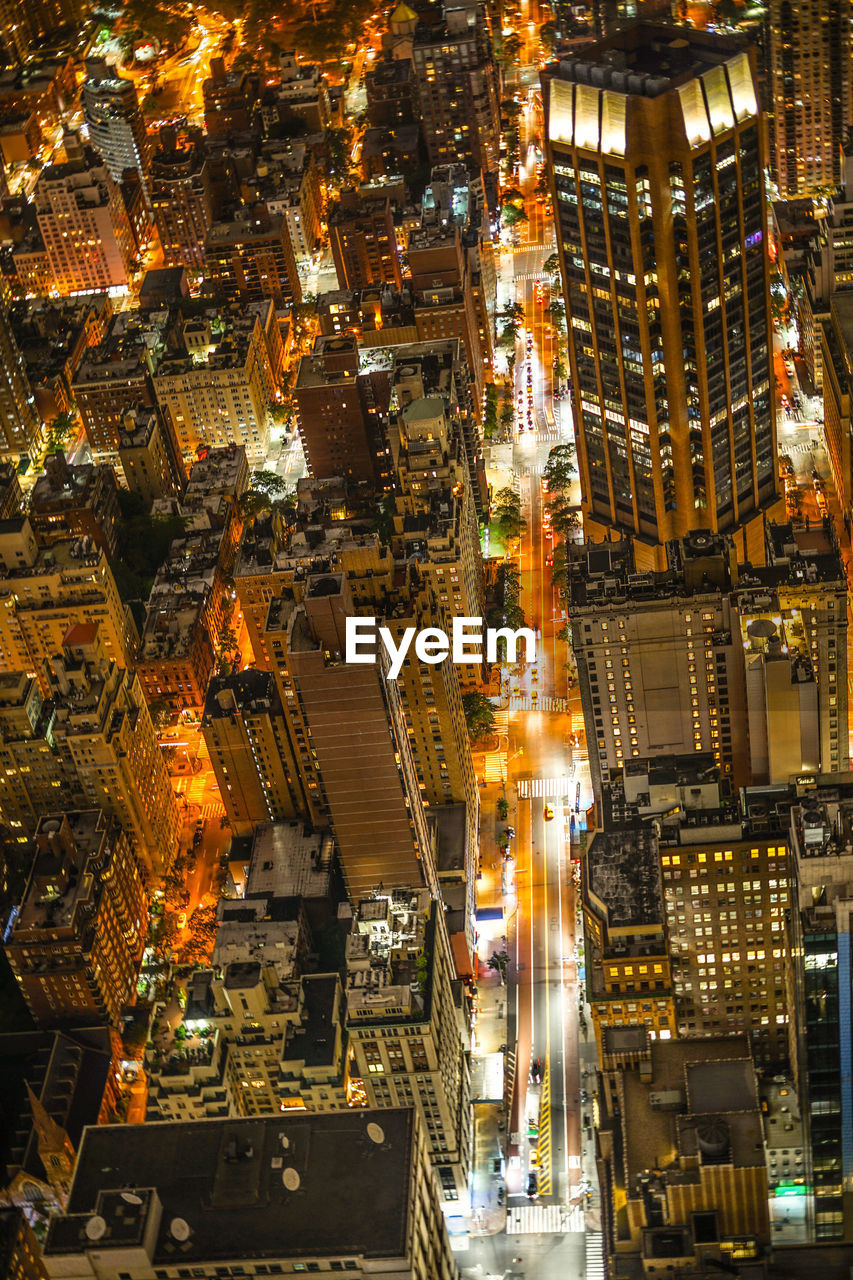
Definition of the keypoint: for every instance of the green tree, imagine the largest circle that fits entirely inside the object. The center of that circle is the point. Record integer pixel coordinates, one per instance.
(506, 513)
(551, 266)
(267, 492)
(511, 48)
(565, 520)
(479, 715)
(498, 961)
(502, 809)
(560, 468)
(548, 36)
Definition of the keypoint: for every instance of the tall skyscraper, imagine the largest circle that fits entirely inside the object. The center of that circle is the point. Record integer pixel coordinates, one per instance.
(809, 84)
(655, 152)
(115, 122)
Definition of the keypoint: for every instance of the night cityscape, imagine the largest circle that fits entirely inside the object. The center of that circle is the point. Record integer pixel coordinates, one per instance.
(426, 513)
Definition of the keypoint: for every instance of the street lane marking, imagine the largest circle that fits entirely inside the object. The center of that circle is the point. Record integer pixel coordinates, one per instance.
(544, 788)
(535, 1219)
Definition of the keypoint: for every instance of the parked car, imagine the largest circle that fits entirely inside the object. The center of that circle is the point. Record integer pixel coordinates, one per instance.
(532, 1186)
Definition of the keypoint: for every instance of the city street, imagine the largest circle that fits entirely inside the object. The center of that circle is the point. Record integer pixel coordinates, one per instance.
(550, 1228)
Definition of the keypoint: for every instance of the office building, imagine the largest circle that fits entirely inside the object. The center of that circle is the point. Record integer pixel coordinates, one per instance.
(244, 729)
(76, 943)
(45, 592)
(749, 663)
(181, 201)
(809, 86)
(115, 123)
(363, 242)
(84, 226)
(214, 1194)
(726, 894)
(20, 423)
(821, 837)
(681, 1159)
(668, 309)
(458, 88)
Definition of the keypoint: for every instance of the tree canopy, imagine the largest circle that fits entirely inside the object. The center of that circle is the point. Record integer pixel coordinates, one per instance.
(479, 715)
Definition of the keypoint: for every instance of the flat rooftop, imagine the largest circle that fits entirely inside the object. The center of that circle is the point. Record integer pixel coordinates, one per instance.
(225, 1187)
(624, 875)
(647, 59)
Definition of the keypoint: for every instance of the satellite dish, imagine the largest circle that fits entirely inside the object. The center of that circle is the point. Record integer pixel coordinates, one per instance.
(96, 1228)
(179, 1229)
(376, 1133)
(129, 1197)
(291, 1179)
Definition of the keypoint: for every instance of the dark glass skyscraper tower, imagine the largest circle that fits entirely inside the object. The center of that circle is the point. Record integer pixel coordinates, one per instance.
(656, 158)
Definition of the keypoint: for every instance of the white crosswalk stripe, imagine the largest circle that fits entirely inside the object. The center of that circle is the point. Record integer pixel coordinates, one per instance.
(530, 1219)
(543, 788)
(541, 704)
(595, 1268)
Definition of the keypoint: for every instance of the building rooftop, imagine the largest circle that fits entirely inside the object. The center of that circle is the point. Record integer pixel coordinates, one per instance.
(289, 861)
(232, 1189)
(648, 59)
(623, 876)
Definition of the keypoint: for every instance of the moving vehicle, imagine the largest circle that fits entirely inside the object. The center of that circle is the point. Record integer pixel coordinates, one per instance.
(532, 1186)
(548, 813)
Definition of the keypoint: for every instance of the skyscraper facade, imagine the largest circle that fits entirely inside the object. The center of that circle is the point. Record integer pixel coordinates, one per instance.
(115, 123)
(655, 151)
(809, 85)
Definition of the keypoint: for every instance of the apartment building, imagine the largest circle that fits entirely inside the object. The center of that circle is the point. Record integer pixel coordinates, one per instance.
(48, 591)
(249, 256)
(20, 422)
(181, 201)
(76, 943)
(84, 226)
(245, 732)
(217, 386)
(809, 87)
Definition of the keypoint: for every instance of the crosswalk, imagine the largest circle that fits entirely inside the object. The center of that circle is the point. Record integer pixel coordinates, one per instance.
(526, 703)
(554, 1219)
(595, 1268)
(494, 768)
(543, 788)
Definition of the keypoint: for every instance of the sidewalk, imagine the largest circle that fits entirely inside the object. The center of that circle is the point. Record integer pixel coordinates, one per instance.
(488, 1217)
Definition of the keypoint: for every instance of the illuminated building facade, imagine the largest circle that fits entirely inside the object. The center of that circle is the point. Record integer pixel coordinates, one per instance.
(656, 158)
